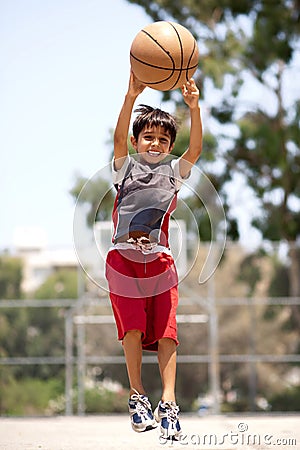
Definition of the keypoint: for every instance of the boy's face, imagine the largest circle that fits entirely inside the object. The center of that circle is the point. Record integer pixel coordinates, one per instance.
(154, 144)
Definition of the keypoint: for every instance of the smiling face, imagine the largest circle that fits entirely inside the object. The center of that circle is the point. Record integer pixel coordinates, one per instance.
(153, 143)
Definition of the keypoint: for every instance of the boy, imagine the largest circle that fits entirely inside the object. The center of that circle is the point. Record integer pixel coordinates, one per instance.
(140, 269)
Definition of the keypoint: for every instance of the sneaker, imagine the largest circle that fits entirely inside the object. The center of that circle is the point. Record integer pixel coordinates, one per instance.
(167, 414)
(141, 415)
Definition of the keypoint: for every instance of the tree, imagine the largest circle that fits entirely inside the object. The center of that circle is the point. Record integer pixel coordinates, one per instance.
(60, 284)
(12, 339)
(45, 334)
(95, 192)
(10, 277)
(13, 321)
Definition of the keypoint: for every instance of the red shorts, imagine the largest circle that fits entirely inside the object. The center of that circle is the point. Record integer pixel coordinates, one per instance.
(144, 294)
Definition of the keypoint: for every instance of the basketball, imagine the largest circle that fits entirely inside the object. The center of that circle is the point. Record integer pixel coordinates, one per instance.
(164, 55)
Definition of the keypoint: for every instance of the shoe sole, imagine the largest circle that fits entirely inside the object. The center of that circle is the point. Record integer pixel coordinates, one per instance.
(147, 428)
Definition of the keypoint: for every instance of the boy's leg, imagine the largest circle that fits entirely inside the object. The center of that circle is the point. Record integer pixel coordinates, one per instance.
(132, 344)
(167, 367)
(140, 409)
(167, 411)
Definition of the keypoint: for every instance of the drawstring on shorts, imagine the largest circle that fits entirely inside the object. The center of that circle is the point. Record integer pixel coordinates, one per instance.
(144, 245)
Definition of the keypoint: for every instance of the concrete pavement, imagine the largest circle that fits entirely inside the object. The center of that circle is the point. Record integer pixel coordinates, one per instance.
(113, 432)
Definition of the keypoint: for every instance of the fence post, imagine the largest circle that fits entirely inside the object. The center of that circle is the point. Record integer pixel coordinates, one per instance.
(214, 368)
(81, 360)
(69, 361)
(81, 367)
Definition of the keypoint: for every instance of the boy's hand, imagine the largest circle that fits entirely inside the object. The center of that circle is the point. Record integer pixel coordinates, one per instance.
(190, 93)
(135, 86)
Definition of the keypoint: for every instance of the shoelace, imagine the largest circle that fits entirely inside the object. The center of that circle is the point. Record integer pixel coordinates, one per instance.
(172, 411)
(143, 405)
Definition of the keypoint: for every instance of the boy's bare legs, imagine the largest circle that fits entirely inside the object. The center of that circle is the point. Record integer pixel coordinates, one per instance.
(167, 367)
(167, 411)
(140, 409)
(132, 344)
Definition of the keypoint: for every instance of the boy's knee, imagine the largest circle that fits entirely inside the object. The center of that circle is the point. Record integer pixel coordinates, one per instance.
(134, 334)
(167, 342)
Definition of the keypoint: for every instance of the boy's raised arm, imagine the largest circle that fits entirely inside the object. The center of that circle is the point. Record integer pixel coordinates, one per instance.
(190, 95)
(121, 132)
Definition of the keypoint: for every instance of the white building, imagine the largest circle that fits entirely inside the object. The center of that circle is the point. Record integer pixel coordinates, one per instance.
(30, 244)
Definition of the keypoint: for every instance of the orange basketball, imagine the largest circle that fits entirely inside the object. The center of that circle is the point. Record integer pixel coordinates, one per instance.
(164, 55)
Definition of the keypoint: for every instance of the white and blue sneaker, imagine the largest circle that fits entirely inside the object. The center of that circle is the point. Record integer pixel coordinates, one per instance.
(140, 411)
(167, 414)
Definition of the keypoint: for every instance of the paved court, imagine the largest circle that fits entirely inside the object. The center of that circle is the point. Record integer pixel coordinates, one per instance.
(113, 432)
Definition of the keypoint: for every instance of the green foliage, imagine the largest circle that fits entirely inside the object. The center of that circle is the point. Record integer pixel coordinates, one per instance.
(95, 191)
(28, 396)
(210, 144)
(279, 285)
(13, 338)
(34, 396)
(38, 331)
(10, 277)
(61, 284)
(45, 332)
(182, 141)
(250, 272)
(275, 30)
(105, 401)
(98, 400)
(287, 400)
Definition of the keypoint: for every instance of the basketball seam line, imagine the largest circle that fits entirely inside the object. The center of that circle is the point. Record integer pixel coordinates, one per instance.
(160, 67)
(181, 52)
(155, 66)
(190, 59)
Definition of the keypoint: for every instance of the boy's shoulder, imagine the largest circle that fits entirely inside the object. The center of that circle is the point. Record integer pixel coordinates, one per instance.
(137, 165)
(136, 161)
(135, 168)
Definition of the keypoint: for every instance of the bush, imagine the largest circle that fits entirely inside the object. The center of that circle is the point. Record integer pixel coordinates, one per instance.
(288, 400)
(34, 397)
(29, 396)
(105, 401)
(98, 400)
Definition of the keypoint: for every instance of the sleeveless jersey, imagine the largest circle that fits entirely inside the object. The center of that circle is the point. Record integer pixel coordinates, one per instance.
(146, 197)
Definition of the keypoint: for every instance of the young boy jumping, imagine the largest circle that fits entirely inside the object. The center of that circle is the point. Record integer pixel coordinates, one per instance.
(140, 270)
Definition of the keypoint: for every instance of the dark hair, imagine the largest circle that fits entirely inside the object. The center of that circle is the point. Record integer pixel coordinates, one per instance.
(154, 117)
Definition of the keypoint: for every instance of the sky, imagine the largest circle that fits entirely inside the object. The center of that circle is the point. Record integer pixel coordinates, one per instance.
(64, 70)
